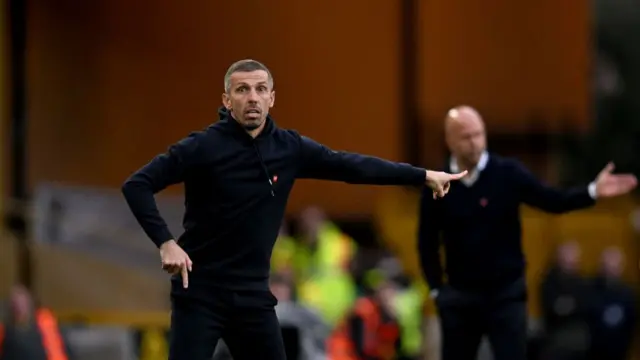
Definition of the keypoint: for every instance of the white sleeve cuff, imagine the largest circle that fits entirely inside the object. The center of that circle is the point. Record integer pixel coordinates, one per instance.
(433, 293)
(592, 190)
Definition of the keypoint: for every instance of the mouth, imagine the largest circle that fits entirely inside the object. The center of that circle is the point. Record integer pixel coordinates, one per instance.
(252, 114)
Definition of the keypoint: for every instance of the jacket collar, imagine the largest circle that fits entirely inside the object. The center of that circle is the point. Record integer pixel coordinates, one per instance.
(474, 173)
(229, 124)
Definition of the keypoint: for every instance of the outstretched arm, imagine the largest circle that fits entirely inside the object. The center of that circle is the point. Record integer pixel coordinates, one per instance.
(320, 162)
(546, 198)
(164, 170)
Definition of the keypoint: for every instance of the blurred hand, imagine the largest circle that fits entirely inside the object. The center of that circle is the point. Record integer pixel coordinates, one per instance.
(176, 261)
(440, 182)
(610, 185)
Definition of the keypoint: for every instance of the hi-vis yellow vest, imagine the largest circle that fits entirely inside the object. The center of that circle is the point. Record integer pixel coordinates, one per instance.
(328, 285)
(283, 254)
(335, 249)
(409, 309)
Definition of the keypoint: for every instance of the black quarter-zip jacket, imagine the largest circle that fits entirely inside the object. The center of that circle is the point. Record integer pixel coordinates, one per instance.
(236, 190)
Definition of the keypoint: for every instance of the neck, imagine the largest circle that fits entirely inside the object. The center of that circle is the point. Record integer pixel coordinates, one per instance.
(463, 165)
(255, 132)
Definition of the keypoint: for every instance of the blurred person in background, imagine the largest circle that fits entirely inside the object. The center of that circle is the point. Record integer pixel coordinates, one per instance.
(293, 315)
(409, 309)
(480, 229)
(311, 332)
(370, 330)
(408, 305)
(566, 305)
(29, 332)
(284, 254)
(614, 315)
(323, 260)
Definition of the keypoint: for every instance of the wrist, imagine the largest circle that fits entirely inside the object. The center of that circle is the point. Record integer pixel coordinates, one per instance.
(167, 243)
(433, 293)
(428, 175)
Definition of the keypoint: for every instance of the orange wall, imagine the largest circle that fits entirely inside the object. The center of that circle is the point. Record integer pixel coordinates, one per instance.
(113, 82)
(507, 58)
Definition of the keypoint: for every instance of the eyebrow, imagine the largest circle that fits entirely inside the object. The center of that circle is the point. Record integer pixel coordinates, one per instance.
(245, 84)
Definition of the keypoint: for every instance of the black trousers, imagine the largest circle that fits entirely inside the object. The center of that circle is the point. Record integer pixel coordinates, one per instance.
(245, 320)
(465, 319)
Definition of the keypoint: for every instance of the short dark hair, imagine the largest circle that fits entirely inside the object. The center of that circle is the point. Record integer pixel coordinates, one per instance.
(246, 65)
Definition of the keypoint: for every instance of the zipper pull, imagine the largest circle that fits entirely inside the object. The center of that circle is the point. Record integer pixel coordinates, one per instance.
(273, 194)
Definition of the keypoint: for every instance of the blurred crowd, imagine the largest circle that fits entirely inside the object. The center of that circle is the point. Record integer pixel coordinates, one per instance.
(335, 301)
(339, 301)
(585, 317)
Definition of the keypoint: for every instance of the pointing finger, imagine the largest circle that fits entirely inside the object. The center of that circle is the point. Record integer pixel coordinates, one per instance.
(459, 175)
(185, 277)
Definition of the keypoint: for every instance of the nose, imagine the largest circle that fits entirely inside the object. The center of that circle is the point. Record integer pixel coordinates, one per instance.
(253, 95)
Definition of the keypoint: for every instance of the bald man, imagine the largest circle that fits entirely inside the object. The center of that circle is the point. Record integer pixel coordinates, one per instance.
(479, 225)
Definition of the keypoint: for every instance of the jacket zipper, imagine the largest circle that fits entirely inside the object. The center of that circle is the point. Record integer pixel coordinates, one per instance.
(264, 167)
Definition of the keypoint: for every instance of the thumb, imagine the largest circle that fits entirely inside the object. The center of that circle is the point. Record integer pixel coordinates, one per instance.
(459, 176)
(608, 169)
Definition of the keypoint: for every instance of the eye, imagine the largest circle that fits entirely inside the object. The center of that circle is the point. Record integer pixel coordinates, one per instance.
(262, 88)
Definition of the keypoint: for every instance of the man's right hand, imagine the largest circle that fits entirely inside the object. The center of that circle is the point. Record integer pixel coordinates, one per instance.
(175, 260)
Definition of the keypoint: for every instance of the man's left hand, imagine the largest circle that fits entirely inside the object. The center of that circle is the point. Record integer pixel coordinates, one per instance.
(610, 185)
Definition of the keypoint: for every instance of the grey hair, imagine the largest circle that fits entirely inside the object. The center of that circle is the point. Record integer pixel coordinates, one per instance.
(246, 65)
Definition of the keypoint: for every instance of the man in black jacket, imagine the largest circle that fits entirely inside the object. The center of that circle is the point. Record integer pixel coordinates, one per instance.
(237, 176)
(479, 225)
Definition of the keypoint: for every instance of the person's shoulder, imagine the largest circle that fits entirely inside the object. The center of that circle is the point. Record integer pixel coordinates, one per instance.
(290, 137)
(288, 134)
(216, 129)
(500, 160)
(200, 138)
(504, 162)
(196, 143)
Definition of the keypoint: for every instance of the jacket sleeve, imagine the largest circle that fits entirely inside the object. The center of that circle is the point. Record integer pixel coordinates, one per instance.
(546, 198)
(320, 162)
(429, 229)
(164, 170)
